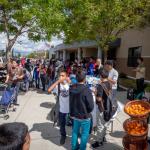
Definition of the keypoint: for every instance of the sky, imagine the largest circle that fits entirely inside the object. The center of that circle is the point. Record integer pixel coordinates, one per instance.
(23, 44)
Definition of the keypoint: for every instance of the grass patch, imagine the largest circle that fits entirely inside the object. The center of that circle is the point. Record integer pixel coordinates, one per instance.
(130, 83)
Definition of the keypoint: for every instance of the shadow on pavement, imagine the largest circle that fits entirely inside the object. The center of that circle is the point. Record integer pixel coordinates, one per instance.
(48, 132)
(109, 146)
(47, 105)
(105, 146)
(22, 93)
(40, 91)
(122, 97)
(118, 134)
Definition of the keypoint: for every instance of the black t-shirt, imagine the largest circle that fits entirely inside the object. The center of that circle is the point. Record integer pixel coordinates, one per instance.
(28, 66)
(101, 93)
(98, 71)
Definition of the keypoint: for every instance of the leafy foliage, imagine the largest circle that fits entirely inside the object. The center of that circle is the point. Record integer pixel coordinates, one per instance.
(101, 20)
(39, 18)
(32, 55)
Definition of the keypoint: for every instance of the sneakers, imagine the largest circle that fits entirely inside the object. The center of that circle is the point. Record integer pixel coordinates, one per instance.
(98, 144)
(16, 104)
(62, 140)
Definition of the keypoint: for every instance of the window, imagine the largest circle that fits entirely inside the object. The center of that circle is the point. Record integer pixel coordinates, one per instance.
(133, 54)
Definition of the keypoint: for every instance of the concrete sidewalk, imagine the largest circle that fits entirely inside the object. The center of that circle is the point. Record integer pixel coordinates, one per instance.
(34, 109)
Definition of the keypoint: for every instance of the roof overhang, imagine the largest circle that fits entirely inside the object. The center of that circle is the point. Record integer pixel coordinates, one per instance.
(76, 45)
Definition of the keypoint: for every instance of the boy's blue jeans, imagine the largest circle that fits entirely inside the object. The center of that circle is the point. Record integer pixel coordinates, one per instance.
(84, 127)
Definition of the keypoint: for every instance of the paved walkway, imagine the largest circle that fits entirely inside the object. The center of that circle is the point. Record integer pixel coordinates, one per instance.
(34, 109)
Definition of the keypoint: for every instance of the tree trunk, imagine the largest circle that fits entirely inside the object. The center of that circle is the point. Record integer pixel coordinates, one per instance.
(8, 52)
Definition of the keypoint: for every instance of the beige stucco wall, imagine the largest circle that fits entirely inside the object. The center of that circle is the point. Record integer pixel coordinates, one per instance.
(134, 38)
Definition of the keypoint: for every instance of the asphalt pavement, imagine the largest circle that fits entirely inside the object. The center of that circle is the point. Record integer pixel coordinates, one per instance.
(34, 107)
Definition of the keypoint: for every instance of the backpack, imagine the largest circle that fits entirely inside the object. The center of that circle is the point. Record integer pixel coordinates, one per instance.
(108, 111)
(54, 113)
(131, 94)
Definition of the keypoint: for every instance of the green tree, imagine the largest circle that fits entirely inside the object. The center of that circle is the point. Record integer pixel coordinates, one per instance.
(38, 18)
(32, 55)
(19, 55)
(145, 21)
(101, 20)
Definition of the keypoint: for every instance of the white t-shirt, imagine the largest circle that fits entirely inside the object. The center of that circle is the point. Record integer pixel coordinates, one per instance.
(113, 74)
(63, 97)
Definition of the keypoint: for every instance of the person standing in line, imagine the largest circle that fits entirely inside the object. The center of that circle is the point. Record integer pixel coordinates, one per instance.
(15, 75)
(113, 79)
(81, 106)
(42, 72)
(53, 72)
(23, 60)
(36, 76)
(140, 75)
(101, 101)
(98, 67)
(28, 65)
(9, 64)
(73, 76)
(64, 83)
(49, 73)
(90, 69)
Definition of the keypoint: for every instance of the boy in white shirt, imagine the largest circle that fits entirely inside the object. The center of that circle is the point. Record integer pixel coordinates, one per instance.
(64, 82)
(113, 79)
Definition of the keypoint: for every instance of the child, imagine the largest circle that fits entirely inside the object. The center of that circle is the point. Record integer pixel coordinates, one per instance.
(81, 105)
(63, 82)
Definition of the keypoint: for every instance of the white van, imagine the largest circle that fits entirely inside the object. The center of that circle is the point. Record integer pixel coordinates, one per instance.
(2, 62)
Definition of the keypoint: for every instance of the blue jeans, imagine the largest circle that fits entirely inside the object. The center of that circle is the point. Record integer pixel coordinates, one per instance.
(84, 125)
(62, 123)
(17, 87)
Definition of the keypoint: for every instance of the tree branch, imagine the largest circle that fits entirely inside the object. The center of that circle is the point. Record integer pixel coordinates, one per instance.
(12, 41)
(20, 31)
(6, 25)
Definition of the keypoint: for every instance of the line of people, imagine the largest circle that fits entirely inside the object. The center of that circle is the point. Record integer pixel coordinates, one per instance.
(68, 81)
(77, 99)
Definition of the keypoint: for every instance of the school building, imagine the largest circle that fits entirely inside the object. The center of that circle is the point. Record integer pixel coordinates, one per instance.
(130, 45)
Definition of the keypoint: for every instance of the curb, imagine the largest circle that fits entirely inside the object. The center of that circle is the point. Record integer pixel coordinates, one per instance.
(123, 87)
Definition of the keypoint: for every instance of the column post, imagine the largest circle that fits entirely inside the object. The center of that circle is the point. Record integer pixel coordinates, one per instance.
(57, 54)
(99, 53)
(79, 54)
(64, 55)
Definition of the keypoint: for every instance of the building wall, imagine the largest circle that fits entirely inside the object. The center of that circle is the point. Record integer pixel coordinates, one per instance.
(89, 52)
(134, 38)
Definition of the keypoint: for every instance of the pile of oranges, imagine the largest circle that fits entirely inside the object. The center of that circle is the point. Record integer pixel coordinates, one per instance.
(135, 128)
(136, 109)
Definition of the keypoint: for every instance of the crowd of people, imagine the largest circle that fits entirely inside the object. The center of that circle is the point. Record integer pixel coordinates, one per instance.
(76, 98)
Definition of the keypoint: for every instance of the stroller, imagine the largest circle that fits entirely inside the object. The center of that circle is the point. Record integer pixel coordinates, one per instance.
(8, 95)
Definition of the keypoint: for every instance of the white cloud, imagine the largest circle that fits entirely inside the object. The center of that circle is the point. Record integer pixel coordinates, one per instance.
(24, 44)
